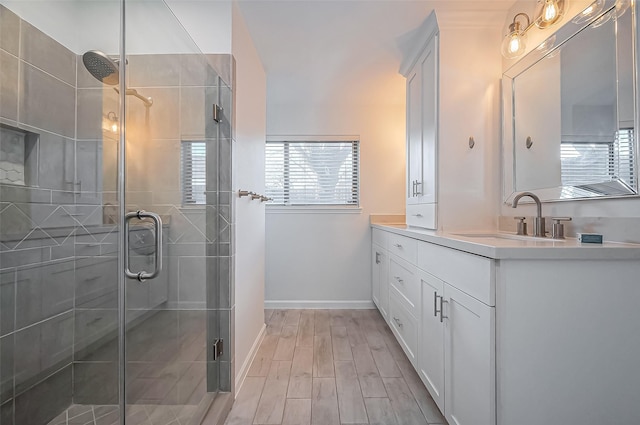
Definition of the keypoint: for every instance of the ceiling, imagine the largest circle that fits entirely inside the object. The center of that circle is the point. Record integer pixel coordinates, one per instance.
(323, 50)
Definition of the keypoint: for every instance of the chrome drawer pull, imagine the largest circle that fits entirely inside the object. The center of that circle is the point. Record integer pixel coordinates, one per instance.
(442, 316)
(417, 215)
(397, 245)
(398, 322)
(398, 279)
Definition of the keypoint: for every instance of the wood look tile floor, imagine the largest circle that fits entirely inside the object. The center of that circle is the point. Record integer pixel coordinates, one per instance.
(331, 367)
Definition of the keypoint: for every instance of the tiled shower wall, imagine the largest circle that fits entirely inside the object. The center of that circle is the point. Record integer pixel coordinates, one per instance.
(58, 251)
(40, 224)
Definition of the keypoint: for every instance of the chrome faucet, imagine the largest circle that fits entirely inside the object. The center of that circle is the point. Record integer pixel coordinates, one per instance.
(538, 221)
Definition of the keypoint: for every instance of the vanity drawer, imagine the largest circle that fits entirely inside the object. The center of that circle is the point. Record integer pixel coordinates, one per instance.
(421, 215)
(404, 278)
(379, 237)
(402, 246)
(470, 273)
(404, 327)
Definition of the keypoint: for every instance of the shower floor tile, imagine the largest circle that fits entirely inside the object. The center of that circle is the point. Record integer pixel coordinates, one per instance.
(138, 414)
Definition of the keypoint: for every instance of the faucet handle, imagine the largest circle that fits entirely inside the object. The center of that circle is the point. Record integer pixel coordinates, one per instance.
(557, 230)
(521, 226)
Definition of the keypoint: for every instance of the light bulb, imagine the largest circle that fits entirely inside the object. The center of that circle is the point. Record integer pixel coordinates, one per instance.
(513, 45)
(550, 11)
(114, 127)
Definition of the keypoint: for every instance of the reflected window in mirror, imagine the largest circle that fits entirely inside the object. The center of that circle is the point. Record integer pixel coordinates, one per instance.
(569, 112)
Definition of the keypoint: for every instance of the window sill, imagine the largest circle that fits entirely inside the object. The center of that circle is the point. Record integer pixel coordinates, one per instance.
(312, 209)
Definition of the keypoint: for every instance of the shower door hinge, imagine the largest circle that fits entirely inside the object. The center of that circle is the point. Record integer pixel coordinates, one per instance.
(217, 349)
(217, 113)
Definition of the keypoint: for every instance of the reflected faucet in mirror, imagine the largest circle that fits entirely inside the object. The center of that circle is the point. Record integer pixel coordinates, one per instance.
(538, 221)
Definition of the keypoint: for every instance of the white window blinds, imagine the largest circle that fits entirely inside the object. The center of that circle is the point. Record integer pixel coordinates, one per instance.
(313, 173)
(194, 172)
(593, 162)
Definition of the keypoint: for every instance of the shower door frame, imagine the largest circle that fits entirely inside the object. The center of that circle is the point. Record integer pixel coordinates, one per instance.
(121, 193)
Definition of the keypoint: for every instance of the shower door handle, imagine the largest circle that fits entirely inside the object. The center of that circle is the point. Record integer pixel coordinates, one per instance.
(157, 222)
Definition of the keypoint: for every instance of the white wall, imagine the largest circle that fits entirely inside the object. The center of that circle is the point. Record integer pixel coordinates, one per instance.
(321, 257)
(209, 23)
(250, 97)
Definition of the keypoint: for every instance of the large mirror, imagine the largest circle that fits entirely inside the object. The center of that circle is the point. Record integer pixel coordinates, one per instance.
(569, 111)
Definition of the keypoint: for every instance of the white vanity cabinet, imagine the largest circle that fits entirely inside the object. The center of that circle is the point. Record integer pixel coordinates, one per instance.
(421, 71)
(456, 359)
(504, 331)
(447, 334)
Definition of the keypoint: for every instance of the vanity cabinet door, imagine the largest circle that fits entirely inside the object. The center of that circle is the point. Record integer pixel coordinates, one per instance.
(431, 351)
(379, 279)
(469, 356)
(414, 134)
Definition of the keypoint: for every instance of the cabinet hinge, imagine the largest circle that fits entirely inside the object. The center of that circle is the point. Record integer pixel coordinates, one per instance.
(217, 349)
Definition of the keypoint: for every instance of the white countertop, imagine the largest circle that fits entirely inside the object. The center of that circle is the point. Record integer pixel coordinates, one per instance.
(508, 246)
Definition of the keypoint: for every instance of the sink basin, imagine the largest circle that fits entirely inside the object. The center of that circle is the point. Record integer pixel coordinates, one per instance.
(507, 236)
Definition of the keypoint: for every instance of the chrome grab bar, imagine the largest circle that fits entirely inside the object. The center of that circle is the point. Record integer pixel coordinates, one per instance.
(157, 222)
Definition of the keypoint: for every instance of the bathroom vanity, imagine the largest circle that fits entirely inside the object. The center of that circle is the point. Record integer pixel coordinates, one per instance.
(514, 330)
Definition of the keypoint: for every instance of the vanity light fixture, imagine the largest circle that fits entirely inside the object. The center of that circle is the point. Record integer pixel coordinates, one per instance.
(548, 13)
(514, 44)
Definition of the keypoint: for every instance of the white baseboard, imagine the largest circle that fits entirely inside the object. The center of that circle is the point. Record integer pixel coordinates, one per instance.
(330, 305)
(242, 373)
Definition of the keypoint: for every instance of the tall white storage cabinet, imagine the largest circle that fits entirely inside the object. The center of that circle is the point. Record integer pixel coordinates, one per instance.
(421, 70)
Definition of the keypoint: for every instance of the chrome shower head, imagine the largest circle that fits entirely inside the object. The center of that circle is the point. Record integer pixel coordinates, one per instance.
(102, 67)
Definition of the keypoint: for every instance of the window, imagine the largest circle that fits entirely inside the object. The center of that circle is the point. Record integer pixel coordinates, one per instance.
(313, 173)
(193, 157)
(586, 163)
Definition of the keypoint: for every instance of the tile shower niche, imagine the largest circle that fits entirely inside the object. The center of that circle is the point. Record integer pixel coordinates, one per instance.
(18, 156)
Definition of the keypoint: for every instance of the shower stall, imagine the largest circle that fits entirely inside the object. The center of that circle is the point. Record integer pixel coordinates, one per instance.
(116, 220)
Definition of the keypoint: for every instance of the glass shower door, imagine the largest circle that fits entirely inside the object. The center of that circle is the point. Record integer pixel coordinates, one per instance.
(171, 211)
